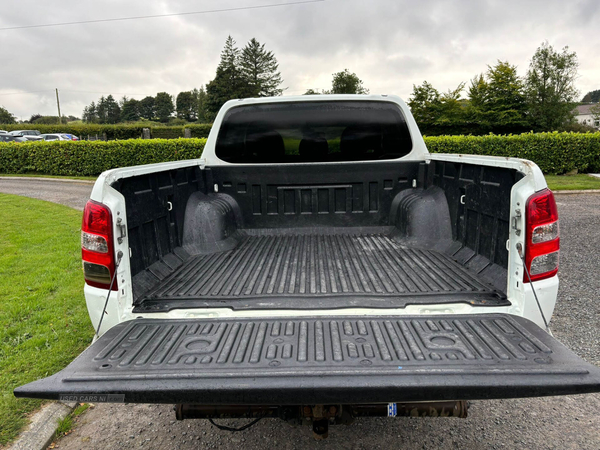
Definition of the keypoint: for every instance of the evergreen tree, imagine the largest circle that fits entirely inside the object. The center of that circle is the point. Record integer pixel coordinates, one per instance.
(550, 87)
(164, 107)
(591, 97)
(478, 92)
(101, 112)
(147, 108)
(186, 106)
(90, 113)
(497, 100)
(113, 111)
(228, 82)
(259, 69)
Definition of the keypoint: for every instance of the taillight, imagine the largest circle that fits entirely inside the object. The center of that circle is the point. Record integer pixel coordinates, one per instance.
(542, 239)
(97, 248)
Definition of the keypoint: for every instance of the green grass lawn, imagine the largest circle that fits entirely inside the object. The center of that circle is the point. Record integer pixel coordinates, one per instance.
(43, 318)
(572, 182)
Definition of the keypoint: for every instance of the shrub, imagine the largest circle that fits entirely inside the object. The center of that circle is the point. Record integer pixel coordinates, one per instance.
(167, 132)
(200, 130)
(554, 153)
(89, 158)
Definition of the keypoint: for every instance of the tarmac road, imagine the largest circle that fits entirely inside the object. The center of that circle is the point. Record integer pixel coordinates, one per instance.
(571, 422)
(69, 193)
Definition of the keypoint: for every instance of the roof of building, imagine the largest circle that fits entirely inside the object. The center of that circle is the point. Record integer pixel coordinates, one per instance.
(583, 110)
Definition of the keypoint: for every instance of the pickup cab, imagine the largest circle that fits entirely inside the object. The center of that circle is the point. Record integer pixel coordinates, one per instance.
(317, 264)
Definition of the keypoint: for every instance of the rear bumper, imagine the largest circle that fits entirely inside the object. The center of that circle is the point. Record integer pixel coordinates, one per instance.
(322, 361)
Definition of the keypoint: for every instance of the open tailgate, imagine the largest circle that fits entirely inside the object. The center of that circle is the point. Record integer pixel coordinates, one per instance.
(321, 360)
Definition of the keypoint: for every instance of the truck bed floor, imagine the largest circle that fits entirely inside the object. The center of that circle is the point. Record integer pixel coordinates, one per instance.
(333, 270)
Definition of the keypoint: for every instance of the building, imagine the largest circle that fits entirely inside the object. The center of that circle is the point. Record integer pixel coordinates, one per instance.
(584, 116)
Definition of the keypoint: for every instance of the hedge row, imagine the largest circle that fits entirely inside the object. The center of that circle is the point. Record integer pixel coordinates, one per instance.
(90, 158)
(554, 153)
(121, 131)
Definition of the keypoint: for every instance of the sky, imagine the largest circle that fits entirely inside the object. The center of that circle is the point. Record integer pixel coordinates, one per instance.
(390, 44)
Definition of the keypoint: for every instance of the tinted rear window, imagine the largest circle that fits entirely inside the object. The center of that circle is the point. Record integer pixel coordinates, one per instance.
(313, 132)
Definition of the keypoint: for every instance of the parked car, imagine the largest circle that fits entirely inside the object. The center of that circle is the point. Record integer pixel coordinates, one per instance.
(3, 132)
(28, 137)
(56, 137)
(11, 138)
(318, 264)
(25, 133)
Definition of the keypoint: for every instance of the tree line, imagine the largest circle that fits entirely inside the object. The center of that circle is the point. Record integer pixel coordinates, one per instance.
(248, 72)
(252, 71)
(500, 101)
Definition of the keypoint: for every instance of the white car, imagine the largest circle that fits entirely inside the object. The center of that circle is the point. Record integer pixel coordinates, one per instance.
(56, 137)
(25, 133)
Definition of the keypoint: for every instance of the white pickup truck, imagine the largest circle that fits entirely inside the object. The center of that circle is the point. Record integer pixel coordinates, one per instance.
(318, 264)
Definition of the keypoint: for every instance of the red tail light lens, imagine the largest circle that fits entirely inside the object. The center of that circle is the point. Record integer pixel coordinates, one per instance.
(97, 248)
(542, 238)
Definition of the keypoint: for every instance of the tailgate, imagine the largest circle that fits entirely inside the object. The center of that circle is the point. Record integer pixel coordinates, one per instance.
(322, 361)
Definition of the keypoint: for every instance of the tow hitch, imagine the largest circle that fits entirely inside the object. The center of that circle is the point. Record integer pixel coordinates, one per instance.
(321, 416)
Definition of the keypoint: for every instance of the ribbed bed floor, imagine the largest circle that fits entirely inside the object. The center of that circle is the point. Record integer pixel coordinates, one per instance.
(318, 265)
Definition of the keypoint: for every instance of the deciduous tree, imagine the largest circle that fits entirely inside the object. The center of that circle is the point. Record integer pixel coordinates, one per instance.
(345, 82)
(186, 106)
(6, 117)
(424, 103)
(200, 101)
(147, 110)
(130, 110)
(550, 87)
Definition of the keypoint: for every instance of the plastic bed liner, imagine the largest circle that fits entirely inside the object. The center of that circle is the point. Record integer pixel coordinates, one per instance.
(321, 360)
(307, 271)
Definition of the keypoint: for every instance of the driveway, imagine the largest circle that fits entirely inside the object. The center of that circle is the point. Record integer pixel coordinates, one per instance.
(69, 193)
(570, 422)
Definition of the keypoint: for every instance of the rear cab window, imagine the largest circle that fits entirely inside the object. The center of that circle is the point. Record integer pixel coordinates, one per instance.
(314, 131)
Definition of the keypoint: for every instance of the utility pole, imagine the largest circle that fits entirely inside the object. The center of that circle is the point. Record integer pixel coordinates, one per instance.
(58, 104)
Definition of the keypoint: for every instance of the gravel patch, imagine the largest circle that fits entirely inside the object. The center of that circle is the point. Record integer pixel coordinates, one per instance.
(570, 422)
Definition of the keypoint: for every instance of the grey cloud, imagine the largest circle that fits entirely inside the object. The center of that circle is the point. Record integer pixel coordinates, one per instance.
(390, 44)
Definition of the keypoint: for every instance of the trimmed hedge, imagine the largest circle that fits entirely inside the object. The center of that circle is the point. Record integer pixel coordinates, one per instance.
(555, 153)
(90, 158)
(119, 131)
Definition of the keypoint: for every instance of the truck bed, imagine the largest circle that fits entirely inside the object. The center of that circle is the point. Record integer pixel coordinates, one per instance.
(299, 271)
(279, 237)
